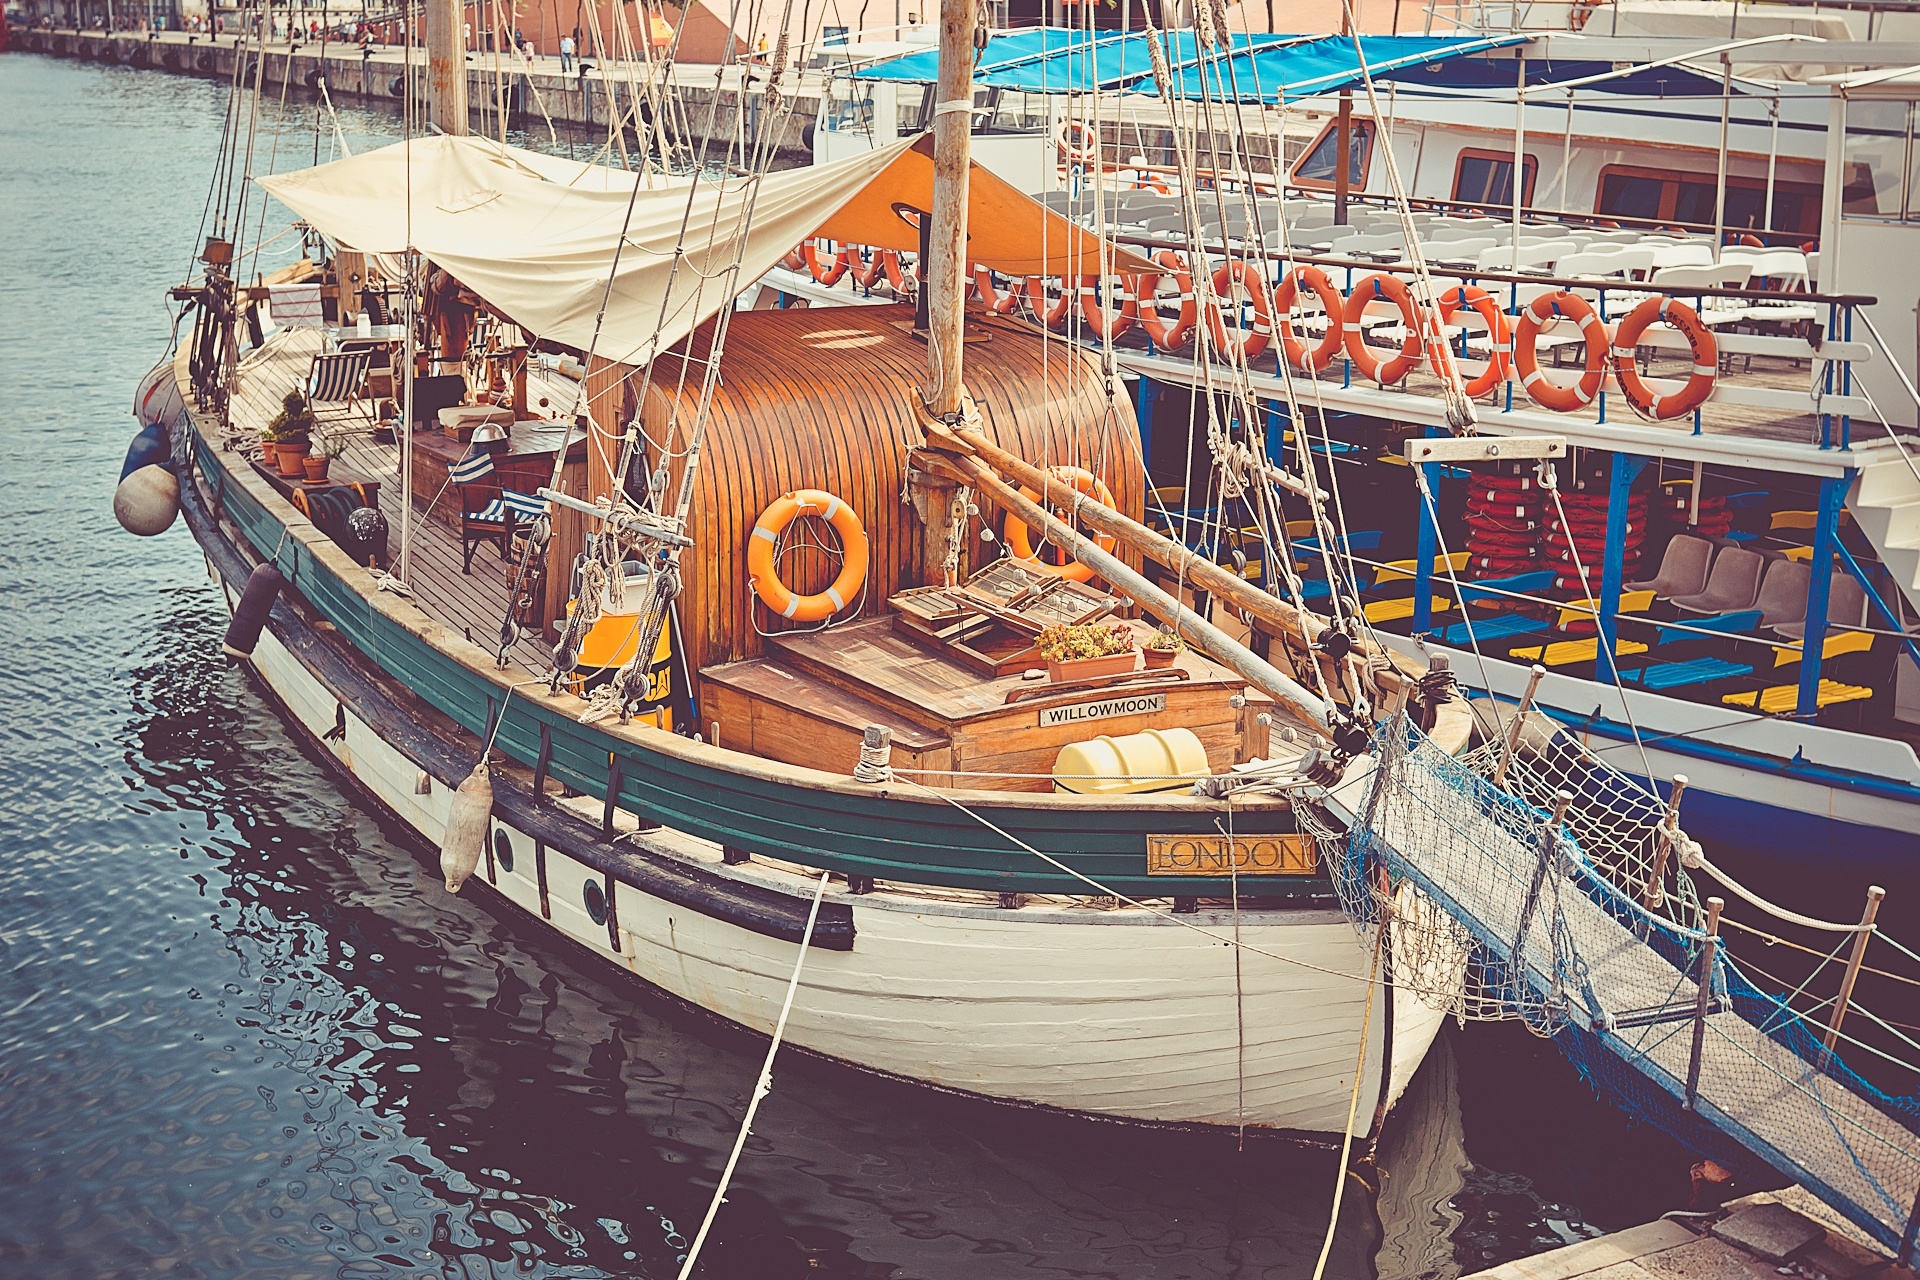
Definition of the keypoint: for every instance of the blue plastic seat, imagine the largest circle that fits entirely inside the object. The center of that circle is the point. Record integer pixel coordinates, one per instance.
(1685, 675)
(1495, 628)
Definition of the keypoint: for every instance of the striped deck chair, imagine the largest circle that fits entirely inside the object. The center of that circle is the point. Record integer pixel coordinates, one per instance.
(489, 513)
(340, 381)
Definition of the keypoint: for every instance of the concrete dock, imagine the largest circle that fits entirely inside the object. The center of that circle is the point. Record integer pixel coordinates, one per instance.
(1758, 1237)
(534, 90)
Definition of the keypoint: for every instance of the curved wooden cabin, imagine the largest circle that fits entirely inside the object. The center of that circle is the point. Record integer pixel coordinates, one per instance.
(826, 399)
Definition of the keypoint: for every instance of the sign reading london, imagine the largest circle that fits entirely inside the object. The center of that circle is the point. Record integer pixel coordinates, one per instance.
(1279, 855)
(1138, 704)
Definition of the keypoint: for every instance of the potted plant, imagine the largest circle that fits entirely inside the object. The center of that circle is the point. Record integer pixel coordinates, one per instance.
(1162, 647)
(331, 447)
(1085, 651)
(269, 446)
(292, 431)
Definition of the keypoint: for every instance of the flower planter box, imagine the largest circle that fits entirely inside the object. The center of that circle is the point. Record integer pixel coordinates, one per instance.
(1112, 664)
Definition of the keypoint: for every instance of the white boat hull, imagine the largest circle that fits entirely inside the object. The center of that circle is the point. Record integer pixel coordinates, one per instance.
(1121, 1013)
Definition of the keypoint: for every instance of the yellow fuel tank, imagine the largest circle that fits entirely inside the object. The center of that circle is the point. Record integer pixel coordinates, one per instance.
(1156, 760)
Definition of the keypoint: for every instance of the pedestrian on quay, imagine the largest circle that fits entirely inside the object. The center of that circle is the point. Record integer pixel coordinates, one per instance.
(566, 54)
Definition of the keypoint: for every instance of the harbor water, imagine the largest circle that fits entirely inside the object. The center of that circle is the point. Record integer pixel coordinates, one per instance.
(244, 1032)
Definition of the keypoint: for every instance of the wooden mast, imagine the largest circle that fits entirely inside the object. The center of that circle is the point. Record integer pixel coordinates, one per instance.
(447, 66)
(946, 267)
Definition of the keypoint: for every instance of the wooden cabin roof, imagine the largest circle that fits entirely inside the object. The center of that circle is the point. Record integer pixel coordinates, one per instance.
(825, 399)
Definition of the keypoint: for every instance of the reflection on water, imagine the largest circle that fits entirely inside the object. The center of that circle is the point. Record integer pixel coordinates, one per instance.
(244, 1033)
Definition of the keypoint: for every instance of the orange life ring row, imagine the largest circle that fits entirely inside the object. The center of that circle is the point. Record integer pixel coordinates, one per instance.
(829, 262)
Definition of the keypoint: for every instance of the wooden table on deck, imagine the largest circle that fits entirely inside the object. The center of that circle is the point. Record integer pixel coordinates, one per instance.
(526, 466)
(809, 699)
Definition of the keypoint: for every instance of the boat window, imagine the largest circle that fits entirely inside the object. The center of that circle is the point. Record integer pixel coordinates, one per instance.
(1316, 168)
(1661, 196)
(916, 113)
(1486, 178)
(849, 107)
(1630, 195)
(1879, 148)
(1011, 111)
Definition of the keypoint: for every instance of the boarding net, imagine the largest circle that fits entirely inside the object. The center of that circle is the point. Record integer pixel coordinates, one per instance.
(1555, 934)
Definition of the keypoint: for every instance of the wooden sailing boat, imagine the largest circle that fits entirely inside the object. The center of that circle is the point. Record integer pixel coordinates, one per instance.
(995, 924)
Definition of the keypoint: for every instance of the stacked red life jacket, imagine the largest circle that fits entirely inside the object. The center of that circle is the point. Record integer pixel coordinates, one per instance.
(1676, 504)
(1505, 510)
(1583, 538)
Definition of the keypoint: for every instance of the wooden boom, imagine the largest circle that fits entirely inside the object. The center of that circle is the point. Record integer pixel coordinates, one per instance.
(1206, 637)
(1197, 569)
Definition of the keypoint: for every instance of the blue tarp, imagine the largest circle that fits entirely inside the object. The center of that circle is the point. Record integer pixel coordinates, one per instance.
(1262, 68)
(1307, 68)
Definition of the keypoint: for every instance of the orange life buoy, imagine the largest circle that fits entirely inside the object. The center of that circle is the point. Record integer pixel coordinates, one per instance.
(1706, 359)
(865, 263)
(794, 261)
(826, 270)
(765, 575)
(1393, 289)
(1095, 293)
(1315, 281)
(1078, 143)
(1228, 282)
(899, 276)
(1526, 363)
(1051, 312)
(1147, 180)
(1481, 303)
(991, 297)
(1165, 336)
(1020, 543)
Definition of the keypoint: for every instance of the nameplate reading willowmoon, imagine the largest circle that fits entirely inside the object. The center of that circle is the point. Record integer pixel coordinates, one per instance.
(1285, 855)
(1138, 704)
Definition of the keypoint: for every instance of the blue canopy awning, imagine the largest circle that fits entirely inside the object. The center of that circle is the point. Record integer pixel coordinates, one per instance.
(1307, 68)
(1056, 60)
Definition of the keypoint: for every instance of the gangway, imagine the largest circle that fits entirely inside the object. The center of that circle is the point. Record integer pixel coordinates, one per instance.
(1536, 891)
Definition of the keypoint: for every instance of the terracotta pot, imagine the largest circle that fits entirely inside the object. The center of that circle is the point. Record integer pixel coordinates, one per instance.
(1160, 657)
(269, 452)
(316, 468)
(291, 464)
(1112, 664)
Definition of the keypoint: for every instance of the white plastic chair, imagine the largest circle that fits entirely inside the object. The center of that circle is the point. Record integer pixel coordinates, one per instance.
(1682, 253)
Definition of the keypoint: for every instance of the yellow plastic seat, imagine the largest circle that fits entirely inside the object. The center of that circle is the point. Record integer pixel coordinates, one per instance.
(1836, 644)
(1780, 699)
(1798, 553)
(1394, 570)
(1588, 609)
(1563, 652)
(1400, 610)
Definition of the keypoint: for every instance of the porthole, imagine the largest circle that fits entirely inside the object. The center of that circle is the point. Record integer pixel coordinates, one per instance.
(503, 848)
(596, 901)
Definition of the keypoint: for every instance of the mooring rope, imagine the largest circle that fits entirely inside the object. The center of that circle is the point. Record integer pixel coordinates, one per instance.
(761, 1087)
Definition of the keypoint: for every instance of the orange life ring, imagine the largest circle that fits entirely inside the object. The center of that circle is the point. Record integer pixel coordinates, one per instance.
(1315, 281)
(1526, 363)
(866, 264)
(1049, 312)
(765, 576)
(1384, 372)
(899, 278)
(1481, 303)
(1102, 323)
(1706, 359)
(1147, 180)
(794, 261)
(832, 270)
(1227, 281)
(1020, 543)
(1165, 336)
(1077, 141)
(992, 298)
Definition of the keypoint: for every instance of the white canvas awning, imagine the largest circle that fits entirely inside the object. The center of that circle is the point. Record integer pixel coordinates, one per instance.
(538, 237)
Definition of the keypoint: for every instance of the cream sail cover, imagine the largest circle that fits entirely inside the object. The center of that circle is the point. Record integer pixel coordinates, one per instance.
(537, 236)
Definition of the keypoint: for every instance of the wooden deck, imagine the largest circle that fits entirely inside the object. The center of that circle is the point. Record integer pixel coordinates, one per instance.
(475, 603)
